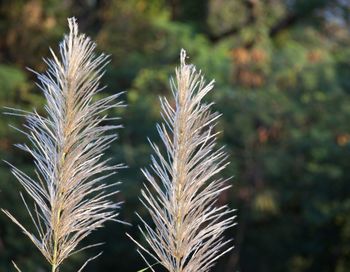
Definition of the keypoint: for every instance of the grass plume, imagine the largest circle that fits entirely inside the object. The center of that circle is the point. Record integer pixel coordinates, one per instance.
(182, 190)
(71, 198)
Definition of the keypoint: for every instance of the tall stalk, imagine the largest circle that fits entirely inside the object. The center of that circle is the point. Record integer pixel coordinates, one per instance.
(70, 195)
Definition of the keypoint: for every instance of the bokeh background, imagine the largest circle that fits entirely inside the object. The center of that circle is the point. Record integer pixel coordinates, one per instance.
(282, 70)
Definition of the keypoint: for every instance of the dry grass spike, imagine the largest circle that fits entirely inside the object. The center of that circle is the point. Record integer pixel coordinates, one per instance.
(70, 195)
(183, 188)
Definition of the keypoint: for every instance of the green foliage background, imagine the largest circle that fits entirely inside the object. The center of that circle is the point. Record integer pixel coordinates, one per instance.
(282, 71)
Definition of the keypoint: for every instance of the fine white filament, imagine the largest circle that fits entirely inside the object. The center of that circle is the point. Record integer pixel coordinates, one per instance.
(181, 194)
(71, 198)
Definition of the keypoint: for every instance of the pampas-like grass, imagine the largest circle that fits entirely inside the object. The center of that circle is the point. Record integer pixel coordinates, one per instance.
(181, 194)
(70, 196)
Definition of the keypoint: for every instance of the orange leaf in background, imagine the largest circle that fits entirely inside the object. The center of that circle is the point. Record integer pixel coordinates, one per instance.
(32, 13)
(250, 79)
(263, 134)
(343, 139)
(241, 56)
(314, 56)
(258, 55)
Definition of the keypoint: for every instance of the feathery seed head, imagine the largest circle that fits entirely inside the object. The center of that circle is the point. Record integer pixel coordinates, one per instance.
(71, 197)
(182, 190)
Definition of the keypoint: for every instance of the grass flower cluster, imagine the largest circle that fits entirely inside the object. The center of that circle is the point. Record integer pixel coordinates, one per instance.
(70, 195)
(67, 146)
(181, 194)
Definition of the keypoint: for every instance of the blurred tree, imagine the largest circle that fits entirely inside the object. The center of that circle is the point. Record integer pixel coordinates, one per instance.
(282, 71)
